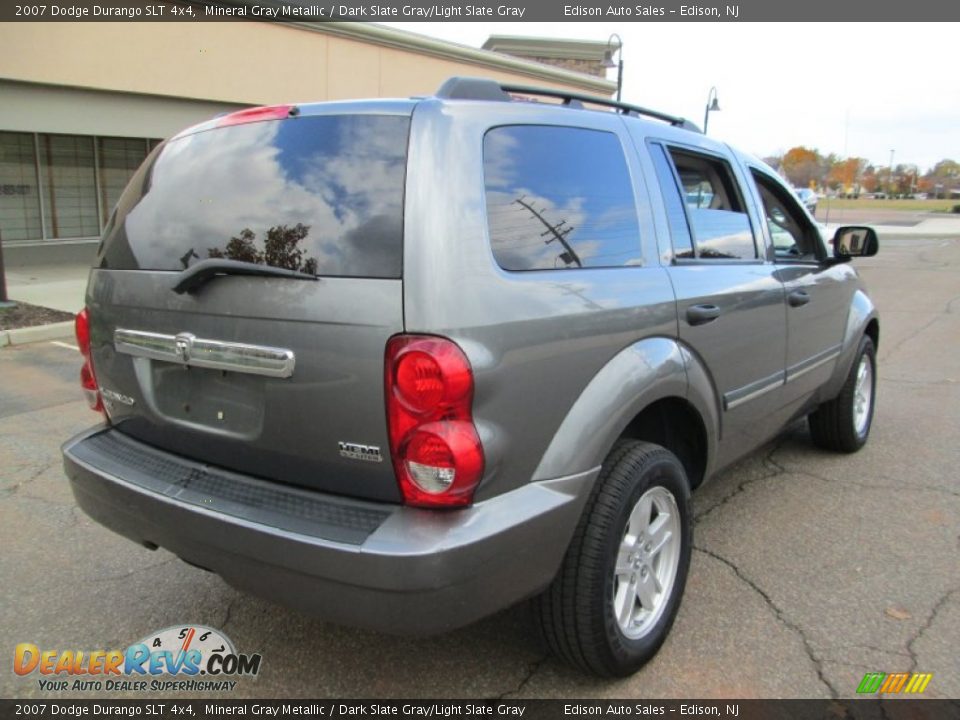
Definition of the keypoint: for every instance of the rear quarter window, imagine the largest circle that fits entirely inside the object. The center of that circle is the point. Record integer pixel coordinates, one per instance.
(559, 198)
(319, 194)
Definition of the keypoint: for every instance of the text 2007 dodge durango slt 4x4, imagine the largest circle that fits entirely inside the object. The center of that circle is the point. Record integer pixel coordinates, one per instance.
(405, 363)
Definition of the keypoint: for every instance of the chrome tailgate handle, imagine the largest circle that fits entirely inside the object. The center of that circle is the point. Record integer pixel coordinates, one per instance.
(187, 349)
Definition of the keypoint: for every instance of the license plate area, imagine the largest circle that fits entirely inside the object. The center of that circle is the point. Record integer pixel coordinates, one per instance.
(214, 400)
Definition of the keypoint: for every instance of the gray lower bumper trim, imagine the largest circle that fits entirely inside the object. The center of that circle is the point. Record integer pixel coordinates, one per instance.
(418, 572)
(219, 490)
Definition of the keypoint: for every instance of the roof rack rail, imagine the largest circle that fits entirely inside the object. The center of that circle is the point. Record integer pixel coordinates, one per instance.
(469, 88)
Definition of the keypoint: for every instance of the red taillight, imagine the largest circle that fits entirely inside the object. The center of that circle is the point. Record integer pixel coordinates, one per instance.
(256, 114)
(436, 451)
(88, 379)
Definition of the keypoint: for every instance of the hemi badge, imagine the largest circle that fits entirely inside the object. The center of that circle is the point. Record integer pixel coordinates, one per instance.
(353, 451)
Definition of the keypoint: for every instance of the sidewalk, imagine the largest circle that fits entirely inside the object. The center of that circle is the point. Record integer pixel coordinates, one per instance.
(945, 227)
(60, 287)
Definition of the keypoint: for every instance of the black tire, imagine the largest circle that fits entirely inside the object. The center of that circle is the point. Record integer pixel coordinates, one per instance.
(576, 613)
(833, 425)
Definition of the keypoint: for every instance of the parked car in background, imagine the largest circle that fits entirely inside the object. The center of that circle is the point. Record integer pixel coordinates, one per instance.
(809, 199)
(404, 363)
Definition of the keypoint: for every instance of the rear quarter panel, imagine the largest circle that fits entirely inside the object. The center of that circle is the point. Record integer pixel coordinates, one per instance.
(536, 340)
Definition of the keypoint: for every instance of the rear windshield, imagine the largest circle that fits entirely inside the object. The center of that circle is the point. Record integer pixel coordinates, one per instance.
(323, 195)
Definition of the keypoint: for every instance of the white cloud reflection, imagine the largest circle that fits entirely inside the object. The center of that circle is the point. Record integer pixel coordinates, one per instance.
(342, 176)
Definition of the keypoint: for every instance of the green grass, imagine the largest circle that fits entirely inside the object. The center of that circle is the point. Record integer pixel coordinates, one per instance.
(905, 205)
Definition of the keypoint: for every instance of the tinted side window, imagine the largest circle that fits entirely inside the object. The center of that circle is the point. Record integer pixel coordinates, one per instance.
(787, 223)
(679, 231)
(559, 198)
(719, 223)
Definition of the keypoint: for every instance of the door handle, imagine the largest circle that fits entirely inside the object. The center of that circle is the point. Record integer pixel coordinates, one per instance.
(701, 314)
(798, 298)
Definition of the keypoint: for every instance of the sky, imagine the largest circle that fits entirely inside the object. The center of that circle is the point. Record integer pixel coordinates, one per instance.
(854, 89)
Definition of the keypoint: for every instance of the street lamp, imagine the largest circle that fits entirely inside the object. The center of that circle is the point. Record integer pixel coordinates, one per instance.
(609, 63)
(711, 107)
(890, 175)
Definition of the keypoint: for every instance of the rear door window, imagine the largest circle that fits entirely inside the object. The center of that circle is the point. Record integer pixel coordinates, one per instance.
(559, 198)
(717, 217)
(319, 194)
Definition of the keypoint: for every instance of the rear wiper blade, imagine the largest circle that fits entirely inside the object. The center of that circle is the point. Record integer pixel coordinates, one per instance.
(196, 275)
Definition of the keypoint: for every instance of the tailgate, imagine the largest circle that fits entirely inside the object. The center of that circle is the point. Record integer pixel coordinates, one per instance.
(281, 378)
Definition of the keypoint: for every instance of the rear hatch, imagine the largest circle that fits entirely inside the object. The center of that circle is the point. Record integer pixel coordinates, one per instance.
(279, 377)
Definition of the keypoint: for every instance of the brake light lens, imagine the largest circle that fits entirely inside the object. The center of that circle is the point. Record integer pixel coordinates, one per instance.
(88, 379)
(256, 114)
(436, 451)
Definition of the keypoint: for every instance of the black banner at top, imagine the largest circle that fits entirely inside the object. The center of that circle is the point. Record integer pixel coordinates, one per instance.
(199, 709)
(481, 11)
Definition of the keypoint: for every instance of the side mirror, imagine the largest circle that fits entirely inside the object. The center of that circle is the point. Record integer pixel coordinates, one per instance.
(852, 241)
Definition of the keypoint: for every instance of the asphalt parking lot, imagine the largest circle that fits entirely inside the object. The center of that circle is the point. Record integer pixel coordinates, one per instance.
(810, 569)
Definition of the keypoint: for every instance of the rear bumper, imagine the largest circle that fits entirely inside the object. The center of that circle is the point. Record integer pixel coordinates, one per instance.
(391, 568)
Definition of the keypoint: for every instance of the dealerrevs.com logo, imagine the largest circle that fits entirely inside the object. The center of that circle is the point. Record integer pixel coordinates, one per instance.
(179, 658)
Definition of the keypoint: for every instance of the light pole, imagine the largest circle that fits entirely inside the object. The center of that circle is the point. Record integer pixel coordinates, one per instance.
(890, 175)
(609, 63)
(711, 107)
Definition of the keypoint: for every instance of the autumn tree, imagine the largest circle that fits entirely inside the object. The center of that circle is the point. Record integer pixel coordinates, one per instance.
(870, 181)
(802, 166)
(946, 169)
(845, 174)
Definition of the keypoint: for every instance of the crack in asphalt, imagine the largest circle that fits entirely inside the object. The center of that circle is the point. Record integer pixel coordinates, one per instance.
(816, 661)
(903, 341)
(46, 501)
(532, 669)
(927, 625)
(868, 486)
(767, 460)
(229, 614)
(899, 487)
(123, 576)
(10, 491)
(908, 381)
(41, 408)
(826, 653)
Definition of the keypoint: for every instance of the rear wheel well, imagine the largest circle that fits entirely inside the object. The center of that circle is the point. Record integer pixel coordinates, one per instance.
(674, 424)
(873, 331)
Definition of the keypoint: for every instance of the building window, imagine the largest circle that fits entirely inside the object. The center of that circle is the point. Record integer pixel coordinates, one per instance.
(68, 184)
(72, 181)
(19, 199)
(119, 159)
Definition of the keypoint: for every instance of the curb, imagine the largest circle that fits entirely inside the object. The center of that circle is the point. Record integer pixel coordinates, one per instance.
(38, 333)
(909, 236)
(895, 232)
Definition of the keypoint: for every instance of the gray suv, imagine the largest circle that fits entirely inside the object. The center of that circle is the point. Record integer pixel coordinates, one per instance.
(405, 363)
